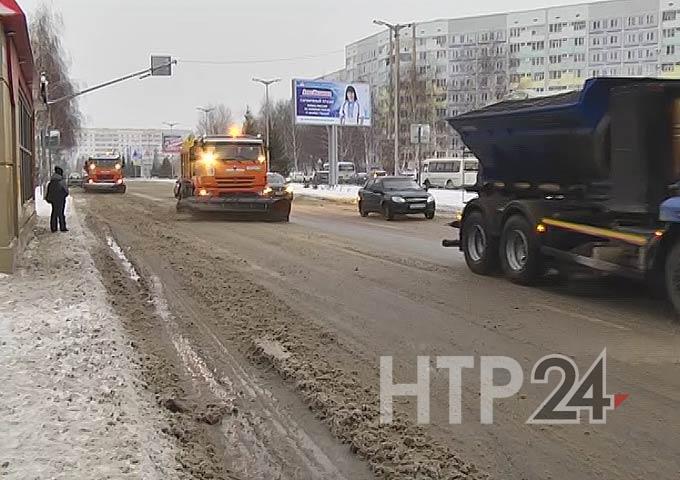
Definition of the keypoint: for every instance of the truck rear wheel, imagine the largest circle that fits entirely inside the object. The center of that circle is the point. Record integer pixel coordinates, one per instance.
(520, 251)
(479, 247)
(673, 277)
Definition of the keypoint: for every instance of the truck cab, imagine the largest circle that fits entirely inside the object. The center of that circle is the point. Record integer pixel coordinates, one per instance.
(227, 173)
(104, 173)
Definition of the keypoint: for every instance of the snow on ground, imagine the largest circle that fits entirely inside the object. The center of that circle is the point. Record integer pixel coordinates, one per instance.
(161, 180)
(44, 209)
(446, 200)
(68, 403)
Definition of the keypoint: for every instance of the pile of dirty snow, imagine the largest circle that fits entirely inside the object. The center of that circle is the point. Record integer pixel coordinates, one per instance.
(68, 403)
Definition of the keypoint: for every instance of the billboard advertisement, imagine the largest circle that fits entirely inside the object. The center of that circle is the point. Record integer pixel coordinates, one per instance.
(322, 102)
(172, 143)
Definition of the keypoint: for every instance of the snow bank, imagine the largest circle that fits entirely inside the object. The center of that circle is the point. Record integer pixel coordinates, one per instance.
(159, 180)
(68, 405)
(44, 209)
(446, 200)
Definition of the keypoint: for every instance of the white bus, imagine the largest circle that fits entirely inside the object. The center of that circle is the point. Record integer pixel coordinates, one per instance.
(450, 172)
(346, 171)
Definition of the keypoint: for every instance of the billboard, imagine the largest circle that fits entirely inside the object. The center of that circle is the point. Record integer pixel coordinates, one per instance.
(322, 102)
(172, 143)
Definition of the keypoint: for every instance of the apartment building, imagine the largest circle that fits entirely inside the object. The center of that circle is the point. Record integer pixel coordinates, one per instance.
(139, 145)
(467, 63)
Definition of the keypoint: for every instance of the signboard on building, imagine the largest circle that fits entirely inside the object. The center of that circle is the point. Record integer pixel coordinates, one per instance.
(172, 143)
(321, 102)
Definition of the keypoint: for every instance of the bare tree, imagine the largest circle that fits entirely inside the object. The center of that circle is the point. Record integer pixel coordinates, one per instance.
(50, 58)
(216, 120)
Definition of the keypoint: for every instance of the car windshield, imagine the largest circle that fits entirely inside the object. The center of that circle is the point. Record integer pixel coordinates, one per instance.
(245, 152)
(400, 184)
(275, 179)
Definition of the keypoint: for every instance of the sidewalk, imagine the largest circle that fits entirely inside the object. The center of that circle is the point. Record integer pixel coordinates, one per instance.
(68, 403)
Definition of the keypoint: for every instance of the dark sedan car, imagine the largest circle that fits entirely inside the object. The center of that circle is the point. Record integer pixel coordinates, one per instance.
(394, 196)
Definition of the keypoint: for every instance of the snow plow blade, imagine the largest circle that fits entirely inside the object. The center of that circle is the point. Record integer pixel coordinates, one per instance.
(233, 204)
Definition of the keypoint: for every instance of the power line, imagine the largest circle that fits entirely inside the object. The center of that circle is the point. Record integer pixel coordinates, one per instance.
(269, 60)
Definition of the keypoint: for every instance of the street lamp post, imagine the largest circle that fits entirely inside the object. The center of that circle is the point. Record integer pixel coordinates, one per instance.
(395, 29)
(206, 111)
(171, 125)
(266, 84)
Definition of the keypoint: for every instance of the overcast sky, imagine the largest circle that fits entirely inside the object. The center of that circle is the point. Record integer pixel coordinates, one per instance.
(109, 38)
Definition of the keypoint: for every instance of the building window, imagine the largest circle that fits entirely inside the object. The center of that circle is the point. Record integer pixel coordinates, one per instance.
(579, 41)
(515, 31)
(555, 43)
(579, 25)
(537, 61)
(555, 59)
(555, 27)
(579, 57)
(613, 39)
(596, 25)
(536, 46)
(651, 36)
(670, 49)
(26, 149)
(555, 74)
(669, 15)
(614, 23)
(422, 55)
(514, 62)
(514, 47)
(441, 53)
(632, 21)
(539, 76)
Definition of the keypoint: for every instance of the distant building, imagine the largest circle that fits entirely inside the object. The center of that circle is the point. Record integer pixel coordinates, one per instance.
(17, 149)
(141, 146)
(465, 63)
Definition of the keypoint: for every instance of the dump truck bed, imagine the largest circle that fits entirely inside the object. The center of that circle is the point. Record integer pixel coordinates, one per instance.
(561, 139)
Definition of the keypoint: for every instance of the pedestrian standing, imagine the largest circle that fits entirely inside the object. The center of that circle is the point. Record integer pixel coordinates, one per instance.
(56, 194)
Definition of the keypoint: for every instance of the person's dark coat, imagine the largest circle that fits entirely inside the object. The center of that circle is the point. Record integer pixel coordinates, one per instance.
(57, 191)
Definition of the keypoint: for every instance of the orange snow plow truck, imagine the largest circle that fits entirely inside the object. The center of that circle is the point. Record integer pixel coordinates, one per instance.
(228, 174)
(104, 173)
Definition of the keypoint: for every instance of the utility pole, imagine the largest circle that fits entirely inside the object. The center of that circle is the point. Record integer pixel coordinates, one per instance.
(266, 84)
(395, 29)
(206, 111)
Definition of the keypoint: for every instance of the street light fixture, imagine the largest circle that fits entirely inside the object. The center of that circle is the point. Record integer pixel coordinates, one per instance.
(171, 125)
(395, 29)
(266, 84)
(206, 111)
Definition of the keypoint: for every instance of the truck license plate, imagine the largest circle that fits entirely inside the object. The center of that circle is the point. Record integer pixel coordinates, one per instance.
(417, 205)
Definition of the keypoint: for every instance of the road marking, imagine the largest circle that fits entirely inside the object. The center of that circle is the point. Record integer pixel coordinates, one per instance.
(149, 197)
(581, 316)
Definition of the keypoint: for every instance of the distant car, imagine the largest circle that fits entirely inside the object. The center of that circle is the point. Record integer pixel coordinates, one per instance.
(278, 187)
(297, 177)
(75, 179)
(320, 177)
(395, 196)
(378, 173)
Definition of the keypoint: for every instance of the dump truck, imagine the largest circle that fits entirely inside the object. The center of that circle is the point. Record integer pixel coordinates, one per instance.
(228, 174)
(588, 178)
(104, 173)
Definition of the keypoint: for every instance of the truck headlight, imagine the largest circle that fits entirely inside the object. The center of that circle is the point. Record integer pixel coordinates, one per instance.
(289, 188)
(398, 200)
(118, 166)
(430, 199)
(267, 191)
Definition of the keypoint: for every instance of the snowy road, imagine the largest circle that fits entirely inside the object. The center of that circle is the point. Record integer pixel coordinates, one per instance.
(320, 299)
